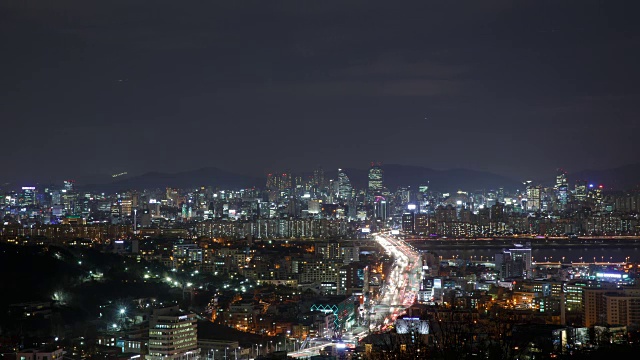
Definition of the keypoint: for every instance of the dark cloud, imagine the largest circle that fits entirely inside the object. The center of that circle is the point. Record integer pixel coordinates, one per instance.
(512, 87)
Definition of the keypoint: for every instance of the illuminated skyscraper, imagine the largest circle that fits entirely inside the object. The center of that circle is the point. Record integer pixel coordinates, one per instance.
(116, 213)
(375, 180)
(500, 195)
(318, 177)
(408, 222)
(598, 197)
(28, 195)
(423, 191)
(56, 198)
(581, 190)
(561, 178)
(562, 188)
(533, 196)
(380, 207)
(272, 181)
(68, 185)
(563, 196)
(286, 181)
(344, 186)
(279, 181)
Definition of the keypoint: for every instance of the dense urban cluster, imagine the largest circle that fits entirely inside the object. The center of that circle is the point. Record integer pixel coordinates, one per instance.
(317, 180)
(312, 206)
(314, 268)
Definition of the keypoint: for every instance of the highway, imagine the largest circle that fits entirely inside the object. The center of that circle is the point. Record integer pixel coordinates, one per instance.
(403, 281)
(308, 352)
(399, 291)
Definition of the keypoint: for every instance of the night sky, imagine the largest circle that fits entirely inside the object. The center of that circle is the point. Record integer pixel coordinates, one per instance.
(513, 87)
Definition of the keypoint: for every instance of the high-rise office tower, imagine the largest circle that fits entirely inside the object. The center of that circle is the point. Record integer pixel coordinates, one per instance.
(56, 198)
(116, 213)
(562, 189)
(496, 213)
(380, 208)
(318, 177)
(279, 181)
(598, 196)
(28, 195)
(69, 201)
(423, 191)
(173, 335)
(272, 181)
(581, 190)
(344, 186)
(68, 185)
(286, 181)
(534, 196)
(127, 206)
(375, 180)
(404, 195)
(561, 178)
(409, 222)
(562, 194)
(500, 195)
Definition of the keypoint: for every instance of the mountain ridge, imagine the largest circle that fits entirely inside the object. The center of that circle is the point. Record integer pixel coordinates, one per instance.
(205, 176)
(395, 175)
(623, 177)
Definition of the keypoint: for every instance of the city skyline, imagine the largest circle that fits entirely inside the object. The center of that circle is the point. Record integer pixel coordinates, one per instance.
(488, 86)
(354, 180)
(292, 206)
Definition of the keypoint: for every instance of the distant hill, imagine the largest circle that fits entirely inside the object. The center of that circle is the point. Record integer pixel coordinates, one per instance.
(624, 177)
(208, 176)
(619, 178)
(440, 180)
(394, 177)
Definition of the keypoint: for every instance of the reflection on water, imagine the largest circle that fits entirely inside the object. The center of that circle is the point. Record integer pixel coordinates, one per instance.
(612, 254)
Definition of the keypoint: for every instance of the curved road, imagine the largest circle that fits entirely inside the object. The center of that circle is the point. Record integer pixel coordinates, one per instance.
(403, 281)
(398, 293)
